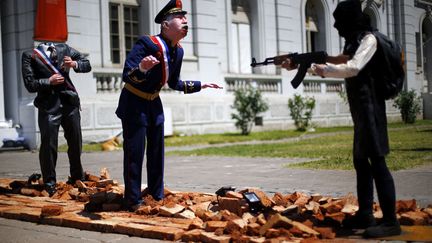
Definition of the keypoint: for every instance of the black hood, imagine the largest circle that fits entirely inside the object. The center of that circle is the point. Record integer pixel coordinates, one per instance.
(349, 18)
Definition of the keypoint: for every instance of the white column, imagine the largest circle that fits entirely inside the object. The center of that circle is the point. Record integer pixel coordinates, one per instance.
(2, 105)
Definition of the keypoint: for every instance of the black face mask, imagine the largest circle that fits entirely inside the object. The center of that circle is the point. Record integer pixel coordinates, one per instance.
(349, 18)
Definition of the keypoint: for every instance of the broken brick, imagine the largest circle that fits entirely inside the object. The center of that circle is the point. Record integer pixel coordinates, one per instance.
(325, 232)
(170, 211)
(212, 238)
(276, 221)
(414, 218)
(196, 223)
(90, 177)
(236, 225)
(185, 214)
(231, 204)
(30, 192)
(212, 226)
(192, 235)
(51, 210)
(406, 205)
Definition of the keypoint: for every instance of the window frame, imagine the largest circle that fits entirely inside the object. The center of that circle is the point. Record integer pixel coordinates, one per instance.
(240, 20)
(122, 35)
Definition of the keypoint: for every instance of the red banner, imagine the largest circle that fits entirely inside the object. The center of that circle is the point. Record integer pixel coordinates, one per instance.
(51, 21)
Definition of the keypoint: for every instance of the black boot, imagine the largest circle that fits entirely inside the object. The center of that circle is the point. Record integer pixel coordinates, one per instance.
(50, 188)
(383, 230)
(359, 221)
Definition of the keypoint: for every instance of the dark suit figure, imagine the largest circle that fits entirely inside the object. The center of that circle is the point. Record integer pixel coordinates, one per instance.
(45, 70)
(152, 62)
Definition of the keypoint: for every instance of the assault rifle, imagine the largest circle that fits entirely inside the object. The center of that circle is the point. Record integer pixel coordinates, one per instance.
(303, 60)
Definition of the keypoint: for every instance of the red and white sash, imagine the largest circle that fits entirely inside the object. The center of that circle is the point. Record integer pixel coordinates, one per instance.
(163, 48)
(43, 57)
(46, 60)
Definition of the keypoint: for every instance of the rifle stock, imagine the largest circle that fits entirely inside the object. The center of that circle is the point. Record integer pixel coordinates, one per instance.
(303, 60)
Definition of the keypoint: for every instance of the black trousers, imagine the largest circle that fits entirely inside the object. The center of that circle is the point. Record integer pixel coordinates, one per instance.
(368, 171)
(70, 119)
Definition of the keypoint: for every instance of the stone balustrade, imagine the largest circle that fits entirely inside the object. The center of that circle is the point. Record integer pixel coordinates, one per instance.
(108, 82)
(313, 86)
(263, 84)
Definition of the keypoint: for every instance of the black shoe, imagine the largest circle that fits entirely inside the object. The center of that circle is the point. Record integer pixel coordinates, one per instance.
(383, 230)
(51, 189)
(133, 208)
(359, 221)
(72, 181)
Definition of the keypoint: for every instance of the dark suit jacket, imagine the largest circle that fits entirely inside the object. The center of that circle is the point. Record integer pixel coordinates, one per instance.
(36, 74)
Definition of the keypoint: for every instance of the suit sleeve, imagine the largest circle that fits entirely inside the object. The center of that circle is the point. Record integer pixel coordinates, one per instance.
(131, 71)
(31, 83)
(83, 63)
(186, 86)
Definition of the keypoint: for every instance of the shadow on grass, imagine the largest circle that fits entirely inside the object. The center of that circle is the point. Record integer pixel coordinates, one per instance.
(416, 149)
(426, 130)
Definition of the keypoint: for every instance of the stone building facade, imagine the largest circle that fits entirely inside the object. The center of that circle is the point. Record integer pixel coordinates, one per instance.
(224, 35)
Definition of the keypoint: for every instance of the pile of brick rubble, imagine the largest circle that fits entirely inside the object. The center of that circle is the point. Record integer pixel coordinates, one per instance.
(96, 204)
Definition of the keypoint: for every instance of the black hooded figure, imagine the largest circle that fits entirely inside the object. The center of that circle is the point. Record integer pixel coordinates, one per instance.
(357, 65)
(370, 128)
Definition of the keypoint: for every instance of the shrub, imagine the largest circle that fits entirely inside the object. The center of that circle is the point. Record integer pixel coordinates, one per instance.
(301, 111)
(408, 104)
(248, 103)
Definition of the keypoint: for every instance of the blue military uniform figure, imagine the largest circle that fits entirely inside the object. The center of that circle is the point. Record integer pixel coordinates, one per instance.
(140, 108)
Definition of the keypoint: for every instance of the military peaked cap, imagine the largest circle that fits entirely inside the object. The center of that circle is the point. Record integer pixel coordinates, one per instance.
(172, 7)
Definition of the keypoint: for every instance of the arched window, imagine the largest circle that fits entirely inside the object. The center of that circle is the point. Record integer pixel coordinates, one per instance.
(426, 44)
(240, 38)
(315, 26)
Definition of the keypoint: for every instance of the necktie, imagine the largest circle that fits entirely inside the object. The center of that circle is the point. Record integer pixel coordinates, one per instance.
(53, 55)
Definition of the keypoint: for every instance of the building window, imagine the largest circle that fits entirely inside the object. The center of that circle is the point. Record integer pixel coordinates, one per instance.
(241, 41)
(315, 26)
(124, 30)
(311, 32)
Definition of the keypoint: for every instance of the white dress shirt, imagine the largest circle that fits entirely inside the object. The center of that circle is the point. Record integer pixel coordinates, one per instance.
(363, 55)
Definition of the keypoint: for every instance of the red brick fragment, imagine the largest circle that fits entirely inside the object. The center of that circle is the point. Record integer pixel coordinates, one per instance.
(51, 210)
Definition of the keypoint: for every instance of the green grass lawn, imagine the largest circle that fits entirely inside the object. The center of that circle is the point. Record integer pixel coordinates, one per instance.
(266, 135)
(411, 146)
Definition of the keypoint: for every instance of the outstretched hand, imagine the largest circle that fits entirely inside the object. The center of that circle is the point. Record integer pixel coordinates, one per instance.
(213, 86)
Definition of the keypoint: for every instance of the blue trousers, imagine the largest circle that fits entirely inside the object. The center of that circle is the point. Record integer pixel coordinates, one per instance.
(134, 144)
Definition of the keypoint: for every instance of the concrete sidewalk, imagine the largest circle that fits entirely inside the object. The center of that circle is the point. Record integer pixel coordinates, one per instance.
(207, 174)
